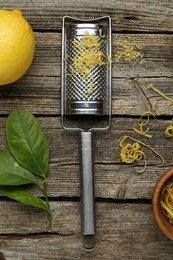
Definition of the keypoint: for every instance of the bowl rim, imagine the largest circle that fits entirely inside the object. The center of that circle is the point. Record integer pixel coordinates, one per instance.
(156, 205)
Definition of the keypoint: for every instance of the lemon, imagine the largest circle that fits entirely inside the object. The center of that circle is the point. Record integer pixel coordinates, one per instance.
(17, 46)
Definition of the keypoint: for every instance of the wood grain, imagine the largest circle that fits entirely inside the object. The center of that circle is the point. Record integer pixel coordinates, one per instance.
(39, 89)
(112, 178)
(41, 95)
(157, 50)
(141, 16)
(126, 228)
(122, 229)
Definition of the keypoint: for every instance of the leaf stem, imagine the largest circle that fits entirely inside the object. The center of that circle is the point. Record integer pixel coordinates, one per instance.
(48, 205)
(43, 188)
(39, 185)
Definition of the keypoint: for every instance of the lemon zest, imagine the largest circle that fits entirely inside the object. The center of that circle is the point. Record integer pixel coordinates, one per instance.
(141, 132)
(101, 33)
(143, 122)
(131, 152)
(88, 54)
(159, 92)
(91, 89)
(127, 51)
(169, 130)
(72, 70)
(133, 155)
(166, 200)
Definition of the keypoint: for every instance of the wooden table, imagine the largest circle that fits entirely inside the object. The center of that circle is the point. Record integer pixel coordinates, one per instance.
(126, 228)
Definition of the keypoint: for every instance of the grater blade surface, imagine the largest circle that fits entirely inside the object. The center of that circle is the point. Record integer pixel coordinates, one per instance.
(85, 94)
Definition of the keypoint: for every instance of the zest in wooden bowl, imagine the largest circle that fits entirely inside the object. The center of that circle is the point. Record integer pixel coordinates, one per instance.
(161, 219)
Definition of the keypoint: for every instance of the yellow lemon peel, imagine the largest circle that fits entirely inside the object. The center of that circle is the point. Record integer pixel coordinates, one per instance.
(143, 122)
(166, 200)
(159, 92)
(128, 51)
(90, 89)
(169, 130)
(88, 54)
(130, 153)
(17, 46)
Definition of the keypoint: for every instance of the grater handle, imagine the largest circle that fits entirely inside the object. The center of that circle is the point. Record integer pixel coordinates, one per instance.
(87, 190)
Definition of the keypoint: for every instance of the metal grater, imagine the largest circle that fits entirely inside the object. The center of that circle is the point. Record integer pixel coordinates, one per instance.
(76, 99)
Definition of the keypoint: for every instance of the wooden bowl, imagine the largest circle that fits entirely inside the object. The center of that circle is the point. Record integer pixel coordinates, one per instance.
(161, 219)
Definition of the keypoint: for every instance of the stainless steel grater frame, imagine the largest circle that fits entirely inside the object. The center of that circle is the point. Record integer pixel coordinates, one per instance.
(73, 102)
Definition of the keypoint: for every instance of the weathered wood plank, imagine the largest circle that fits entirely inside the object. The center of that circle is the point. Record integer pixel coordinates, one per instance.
(126, 15)
(124, 231)
(41, 95)
(41, 85)
(157, 53)
(112, 178)
(64, 144)
(133, 96)
(111, 181)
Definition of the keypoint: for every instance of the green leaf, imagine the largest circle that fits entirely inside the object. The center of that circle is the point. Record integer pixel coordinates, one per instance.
(24, 197)
(27, 141)
(11, 173)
